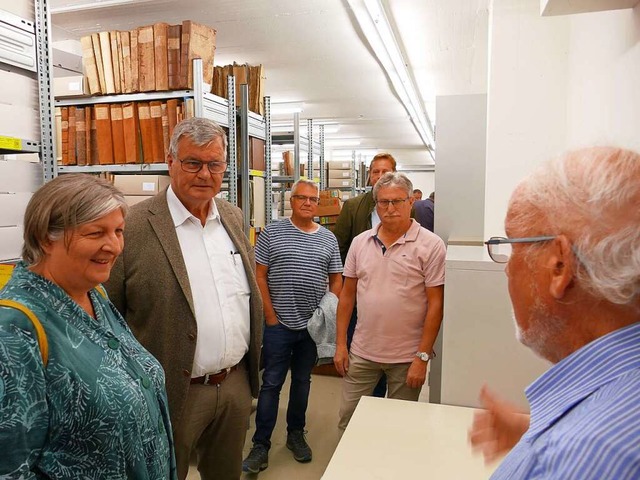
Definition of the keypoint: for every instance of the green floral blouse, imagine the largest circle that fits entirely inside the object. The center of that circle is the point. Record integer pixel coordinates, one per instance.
(98, 410)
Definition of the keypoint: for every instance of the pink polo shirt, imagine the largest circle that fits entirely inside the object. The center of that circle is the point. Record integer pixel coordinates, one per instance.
(391, 297)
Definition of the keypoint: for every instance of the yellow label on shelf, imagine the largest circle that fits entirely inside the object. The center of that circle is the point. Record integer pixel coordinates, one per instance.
(256, 173)
(5, 273)
(10, 143)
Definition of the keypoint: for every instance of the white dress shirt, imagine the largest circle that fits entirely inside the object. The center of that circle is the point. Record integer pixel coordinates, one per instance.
(219, 288)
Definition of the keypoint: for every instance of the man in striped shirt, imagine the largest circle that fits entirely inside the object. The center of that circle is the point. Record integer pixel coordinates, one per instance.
(295, 259)
(573, 256)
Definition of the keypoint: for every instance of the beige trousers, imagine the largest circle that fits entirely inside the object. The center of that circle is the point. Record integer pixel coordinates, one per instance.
(362, 377)
(214, 424)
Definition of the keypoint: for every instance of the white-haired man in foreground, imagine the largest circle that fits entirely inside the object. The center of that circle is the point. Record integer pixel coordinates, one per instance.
(573, 253)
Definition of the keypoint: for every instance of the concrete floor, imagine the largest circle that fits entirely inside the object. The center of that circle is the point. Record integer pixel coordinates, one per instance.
(323, 436)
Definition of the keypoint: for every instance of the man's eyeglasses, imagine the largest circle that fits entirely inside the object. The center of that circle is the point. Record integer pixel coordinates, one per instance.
(499, 248)
(387, 203)
(305, 199)
(194, 166)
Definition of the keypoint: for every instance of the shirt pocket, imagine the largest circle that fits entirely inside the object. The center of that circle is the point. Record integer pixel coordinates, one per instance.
(240, 279)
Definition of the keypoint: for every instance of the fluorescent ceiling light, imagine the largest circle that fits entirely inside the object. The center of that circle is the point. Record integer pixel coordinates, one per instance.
(288, 107)
(378, 32)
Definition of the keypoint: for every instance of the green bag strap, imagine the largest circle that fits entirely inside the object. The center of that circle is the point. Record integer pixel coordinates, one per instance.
(42, 336)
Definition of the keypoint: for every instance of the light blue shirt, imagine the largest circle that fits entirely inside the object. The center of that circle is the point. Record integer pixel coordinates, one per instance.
(585, 416)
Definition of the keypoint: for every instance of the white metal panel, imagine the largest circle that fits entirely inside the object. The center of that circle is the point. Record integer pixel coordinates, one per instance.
(10, 242)
(12, 207)
(19, 176)
(17, 47)
(569, 7)
(19, 121)
(21, 8)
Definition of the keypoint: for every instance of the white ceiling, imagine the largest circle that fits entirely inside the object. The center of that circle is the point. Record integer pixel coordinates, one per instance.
(313, 53)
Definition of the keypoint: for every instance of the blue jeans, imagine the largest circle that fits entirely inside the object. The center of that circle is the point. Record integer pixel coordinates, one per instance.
(283, 348)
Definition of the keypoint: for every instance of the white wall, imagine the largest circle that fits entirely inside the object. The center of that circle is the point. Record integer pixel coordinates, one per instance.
(556, 83)
(526, 114)
(603, 104)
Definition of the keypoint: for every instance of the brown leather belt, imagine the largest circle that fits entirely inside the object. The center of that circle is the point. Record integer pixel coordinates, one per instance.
(214, 378)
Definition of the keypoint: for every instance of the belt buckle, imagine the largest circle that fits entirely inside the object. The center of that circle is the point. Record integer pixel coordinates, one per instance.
(224, 372)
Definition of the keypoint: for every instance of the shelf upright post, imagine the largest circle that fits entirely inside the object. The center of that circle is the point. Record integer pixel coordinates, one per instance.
(353, 173)
(268, 176)
(244, 155)
(43, 45)
(296, 146)
(310, 149)
(323, 171)
(232, 158)
(198, 87)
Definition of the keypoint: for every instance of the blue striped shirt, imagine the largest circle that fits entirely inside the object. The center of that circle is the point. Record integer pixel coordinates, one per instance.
(585, 415)
(299, 264)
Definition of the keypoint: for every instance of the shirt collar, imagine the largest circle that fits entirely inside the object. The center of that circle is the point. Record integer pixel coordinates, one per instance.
(580, 374)
(410, 235)
(180, 214)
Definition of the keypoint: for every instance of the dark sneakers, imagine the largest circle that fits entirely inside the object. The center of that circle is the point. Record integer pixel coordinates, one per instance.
(299, 446)
(257, 460)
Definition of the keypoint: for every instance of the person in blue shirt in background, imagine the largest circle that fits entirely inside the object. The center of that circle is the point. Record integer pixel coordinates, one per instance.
(573, 268)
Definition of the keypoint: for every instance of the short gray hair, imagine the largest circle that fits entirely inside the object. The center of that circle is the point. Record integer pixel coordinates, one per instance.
(592, 196)
(201, 131)
(304, 181)
(61, 205)
(393, 179)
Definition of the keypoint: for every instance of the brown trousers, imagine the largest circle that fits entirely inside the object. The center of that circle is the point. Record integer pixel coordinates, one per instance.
(214, 424)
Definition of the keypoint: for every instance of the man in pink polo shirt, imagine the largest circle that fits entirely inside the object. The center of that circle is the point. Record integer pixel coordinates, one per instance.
(396, 272)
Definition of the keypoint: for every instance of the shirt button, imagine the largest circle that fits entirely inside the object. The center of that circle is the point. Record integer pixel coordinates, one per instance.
(186, 373)
(146, 382)
(113, 343)
(191, 336)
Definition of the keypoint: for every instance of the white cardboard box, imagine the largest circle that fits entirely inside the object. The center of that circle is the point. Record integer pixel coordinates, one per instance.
(20, 176)
(12, 208)
(72, 86)
(133, 199)
(339, 164)
(339, 182)
(10, 242)
(339, 174)
(147, 185)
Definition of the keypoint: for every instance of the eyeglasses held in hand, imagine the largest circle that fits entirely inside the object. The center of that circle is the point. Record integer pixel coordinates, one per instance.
(194, 166)
(386, 203)
(305, 199)
(499, 248)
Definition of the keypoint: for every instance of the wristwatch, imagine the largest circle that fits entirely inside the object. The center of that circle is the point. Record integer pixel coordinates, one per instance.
(424, 356)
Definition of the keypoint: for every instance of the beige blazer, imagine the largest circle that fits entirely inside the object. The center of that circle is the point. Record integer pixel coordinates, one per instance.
(150, 287)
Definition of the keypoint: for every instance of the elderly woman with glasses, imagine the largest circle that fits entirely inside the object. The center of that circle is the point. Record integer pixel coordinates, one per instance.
(79, 396)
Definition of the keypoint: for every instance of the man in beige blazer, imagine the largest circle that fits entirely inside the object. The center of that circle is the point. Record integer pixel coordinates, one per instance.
(186, 285)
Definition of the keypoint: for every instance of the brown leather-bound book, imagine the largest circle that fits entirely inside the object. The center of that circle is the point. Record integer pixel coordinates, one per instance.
(117, 133)
(198, 41)
(58, 137)
(165, 130)
(127, 79)
(89, 65)
(93, 138)
(107, 62)
(103, 134)
(146, 131)
(146, 59)
(115, 61)
(242, 77)
(256, 89)
(81, 136)
(120, 60)
(133, 41)
(174, 37)
(160, 52)
(64, 115)
(97, 53)
(131, 133)
(88, 144)
(215, 84)
(156, 133)
(189, 108)
(72, 136)
(172, 114)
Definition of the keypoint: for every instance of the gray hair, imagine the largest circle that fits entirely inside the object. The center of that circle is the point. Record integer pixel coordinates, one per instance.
(63, 204)
(304, 181)
(591, 195)
(201, 131)
(393, 179)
